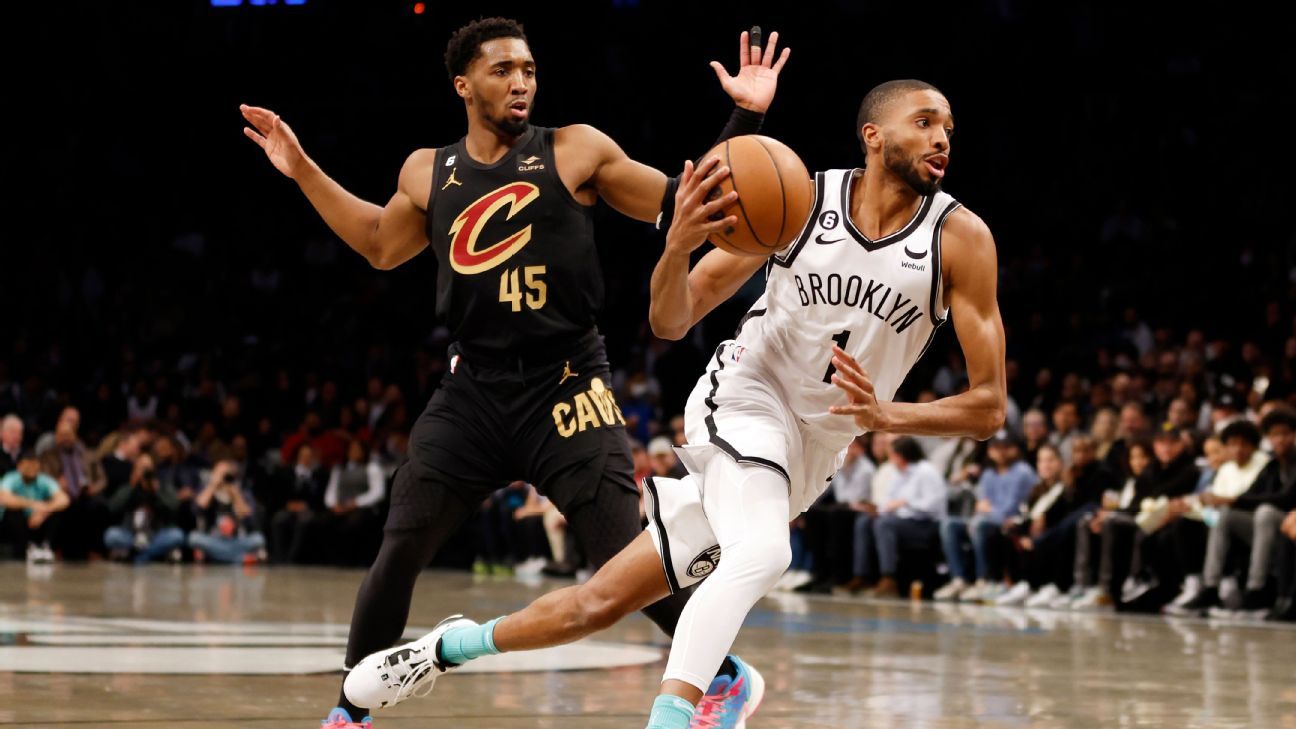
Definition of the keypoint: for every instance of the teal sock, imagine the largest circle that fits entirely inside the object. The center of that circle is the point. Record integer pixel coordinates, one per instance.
(460, 645)
(670, 712)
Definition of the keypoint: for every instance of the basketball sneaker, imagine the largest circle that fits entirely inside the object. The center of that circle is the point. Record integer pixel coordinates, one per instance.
(730, 699)
(388, 677)
(340, 719)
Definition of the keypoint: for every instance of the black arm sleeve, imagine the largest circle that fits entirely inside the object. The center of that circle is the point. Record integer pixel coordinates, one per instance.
(741, 121)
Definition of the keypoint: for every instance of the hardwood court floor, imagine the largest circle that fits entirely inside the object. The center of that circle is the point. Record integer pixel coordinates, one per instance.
(205, 647)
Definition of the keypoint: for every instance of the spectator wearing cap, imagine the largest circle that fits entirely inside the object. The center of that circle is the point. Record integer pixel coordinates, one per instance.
(1252, 517)
(910, 518)
(1000, 492)
(664, 462)
(30, 502)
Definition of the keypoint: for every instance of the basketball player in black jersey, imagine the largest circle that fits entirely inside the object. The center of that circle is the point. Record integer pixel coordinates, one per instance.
(507, 212)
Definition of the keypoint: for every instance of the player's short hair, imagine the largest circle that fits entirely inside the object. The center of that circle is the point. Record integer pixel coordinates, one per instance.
(1244, 429)
(880, 97)
(465, 43)
(1281, 415)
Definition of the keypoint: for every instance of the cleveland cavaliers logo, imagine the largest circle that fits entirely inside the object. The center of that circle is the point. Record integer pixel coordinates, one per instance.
(465, 256)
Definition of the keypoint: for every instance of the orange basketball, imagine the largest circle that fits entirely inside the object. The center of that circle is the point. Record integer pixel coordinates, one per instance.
(775, 194)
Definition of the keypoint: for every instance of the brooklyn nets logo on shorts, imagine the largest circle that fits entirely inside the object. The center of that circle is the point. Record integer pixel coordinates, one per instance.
(705, 563)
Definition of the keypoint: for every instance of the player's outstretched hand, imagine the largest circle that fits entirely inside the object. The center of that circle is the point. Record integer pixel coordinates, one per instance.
(274, 136)
(753, 87)
(695, 217)
(855, 382)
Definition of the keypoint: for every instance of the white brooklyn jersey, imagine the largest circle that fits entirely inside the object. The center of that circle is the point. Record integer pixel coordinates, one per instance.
(880, 300)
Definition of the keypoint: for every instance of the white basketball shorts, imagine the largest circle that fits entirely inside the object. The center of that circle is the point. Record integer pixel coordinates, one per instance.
(735, 412)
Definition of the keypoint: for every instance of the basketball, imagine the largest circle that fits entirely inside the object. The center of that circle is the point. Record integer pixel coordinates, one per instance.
(775, 194)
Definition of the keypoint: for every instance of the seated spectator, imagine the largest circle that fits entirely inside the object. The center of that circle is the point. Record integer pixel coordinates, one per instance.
(120, 461)
(302, 504)
(1103, 430)
(1000, 493)
(1046, 543)
(81, 478)
(226, 531)
(1284, 608)
(30, 503)
(1185, 531)
(1214, 455)
(351, 499)
(1170, 473)
(830, 524)
(1133, 426)
(1035, 433)
(145, 510)
(180, 477)
(1066, 428)
(910, 518)
(509, 537)
(69, 416)
(1254, 518)
(11, 439)
(665, 464)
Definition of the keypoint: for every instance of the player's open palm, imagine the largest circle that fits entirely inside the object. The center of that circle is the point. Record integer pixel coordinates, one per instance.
(854, 381)
(753, 87)
(274, 136)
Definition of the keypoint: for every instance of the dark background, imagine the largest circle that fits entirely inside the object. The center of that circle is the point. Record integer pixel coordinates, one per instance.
(1132, 162)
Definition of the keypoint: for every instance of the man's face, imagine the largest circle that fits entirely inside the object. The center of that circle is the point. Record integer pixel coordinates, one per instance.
(1082, 452)
(500, 85)
(1215, 453)
(1131, 422)
(28, 468)
(1281, 438)
(1240, 450)
(11, 434)
(1000, 453)
(72, 417)
(662, 463)
(1167, 449)
(1065, 418)
(1179, 413)
(1034, 426)
(915, 134)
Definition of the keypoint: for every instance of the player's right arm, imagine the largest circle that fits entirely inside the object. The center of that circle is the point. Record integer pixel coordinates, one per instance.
(680, 297)
(386, 236)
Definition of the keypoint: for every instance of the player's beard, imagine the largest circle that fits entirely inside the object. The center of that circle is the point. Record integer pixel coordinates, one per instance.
(506, 124)
(907, 168)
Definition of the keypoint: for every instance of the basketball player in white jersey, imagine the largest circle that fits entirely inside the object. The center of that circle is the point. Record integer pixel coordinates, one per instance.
(850, 305)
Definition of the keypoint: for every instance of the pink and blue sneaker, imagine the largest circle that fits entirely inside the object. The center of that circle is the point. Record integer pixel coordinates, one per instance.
(340, 719)
(730, 699)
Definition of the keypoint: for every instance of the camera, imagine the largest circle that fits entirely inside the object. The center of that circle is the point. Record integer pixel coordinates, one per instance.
(229, 478)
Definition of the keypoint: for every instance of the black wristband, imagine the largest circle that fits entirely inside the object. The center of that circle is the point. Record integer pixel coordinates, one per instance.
(741, 121)
(668, 203)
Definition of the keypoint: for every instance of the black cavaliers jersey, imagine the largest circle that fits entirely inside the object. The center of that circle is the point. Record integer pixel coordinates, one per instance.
(518, 274)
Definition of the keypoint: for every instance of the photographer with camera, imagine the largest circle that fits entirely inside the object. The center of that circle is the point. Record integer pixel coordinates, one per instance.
(226, 531)
(145, 510)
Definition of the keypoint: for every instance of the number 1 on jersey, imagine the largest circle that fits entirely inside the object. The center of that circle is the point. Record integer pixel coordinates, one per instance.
(840, 339)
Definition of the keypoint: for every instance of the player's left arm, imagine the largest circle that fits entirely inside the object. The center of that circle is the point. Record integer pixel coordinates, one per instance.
(637, 190)
(973, 281)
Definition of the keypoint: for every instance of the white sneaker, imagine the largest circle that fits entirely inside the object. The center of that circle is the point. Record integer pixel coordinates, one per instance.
(951, 591)
(975, 593)
(1067, 599)
(1095, 598)
(33, 553)
(46, 554)
(530, 567)
(1045, 597)
(388, 677)
(1191, 586)
(1017, 595)
(798, 578)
